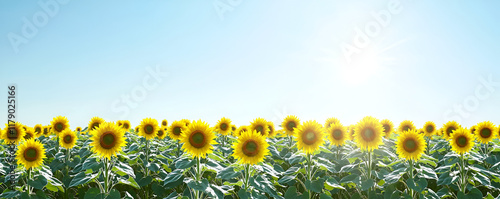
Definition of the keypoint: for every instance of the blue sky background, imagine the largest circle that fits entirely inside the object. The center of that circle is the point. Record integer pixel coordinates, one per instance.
(257, 59)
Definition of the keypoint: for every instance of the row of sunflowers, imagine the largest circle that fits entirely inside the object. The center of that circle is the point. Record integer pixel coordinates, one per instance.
(191, 159)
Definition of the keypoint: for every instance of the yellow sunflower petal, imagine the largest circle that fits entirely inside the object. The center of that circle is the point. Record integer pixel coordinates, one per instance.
(410, 145)
(250, 148)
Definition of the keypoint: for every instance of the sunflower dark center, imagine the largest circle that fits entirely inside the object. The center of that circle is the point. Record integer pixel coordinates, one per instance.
(164, 123)
(177, 130)
(461, 141)
(250, 148)
(485, 133)
(271, 129)
(387, 128)
(59, 127)
(429, 128)
(260, 129)
(94, 126)
(38, 130)
(27, 136)
(410, 145)
(337, 134)
(30, 154)
(197, 139)
(406, 128)
(368, 134)
(126, 126)
(148, 129)
(12, 133)
(290, 126)
(223, 127)
(160, 133)
(309, 137)
(450, 130)
(68, 139)
(233, 128)
(108, 140)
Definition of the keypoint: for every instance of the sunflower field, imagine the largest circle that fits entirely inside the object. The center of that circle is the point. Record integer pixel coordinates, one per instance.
(294, 159)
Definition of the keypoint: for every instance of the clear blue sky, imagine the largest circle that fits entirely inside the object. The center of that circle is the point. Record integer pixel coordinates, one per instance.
(251, 59)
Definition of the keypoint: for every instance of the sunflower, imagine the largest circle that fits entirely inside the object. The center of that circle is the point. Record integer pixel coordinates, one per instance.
(31, 154)
(272, 131)
(30, 133)
(59, 124)
(388, 127)
(107, 140)
(38, 128)
(94, 123)
(186, 122)
(330, 121)
(198, 139)
(148, 128)
(259, 125)
(233, 128)
(309, 136)
(250, 148)
(473, 130)
(429, 129)
(406, 126)
(498, 132)
(337, 133)
(125, 125)
(223, 126)
(78, 129)
(13, 134)
(46, 131)
(350, 130)
(449, 128)
(290, 123)
(67, 139)
(136, 129)
(119, 123)
(240, 130)
(461, 141)
(485, 132)
(410, 145)
(161, 134)
(175, 130)
(164, 123)
(368, 133)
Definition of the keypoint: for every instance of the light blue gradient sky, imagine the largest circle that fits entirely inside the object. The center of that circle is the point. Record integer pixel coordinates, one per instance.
(263, 59)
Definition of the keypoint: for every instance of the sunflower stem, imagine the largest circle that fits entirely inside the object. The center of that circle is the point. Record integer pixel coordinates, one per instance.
(338, 152)
(309, 172)
(178, 149)
(428, 151)
(198, 176)
(464, 175)
(223, 140)
(147, 164)
(57, 146)
(290, 141)
(411, 177)
(29, 179)
(247, 176)
(67, 156)
(105, 175)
